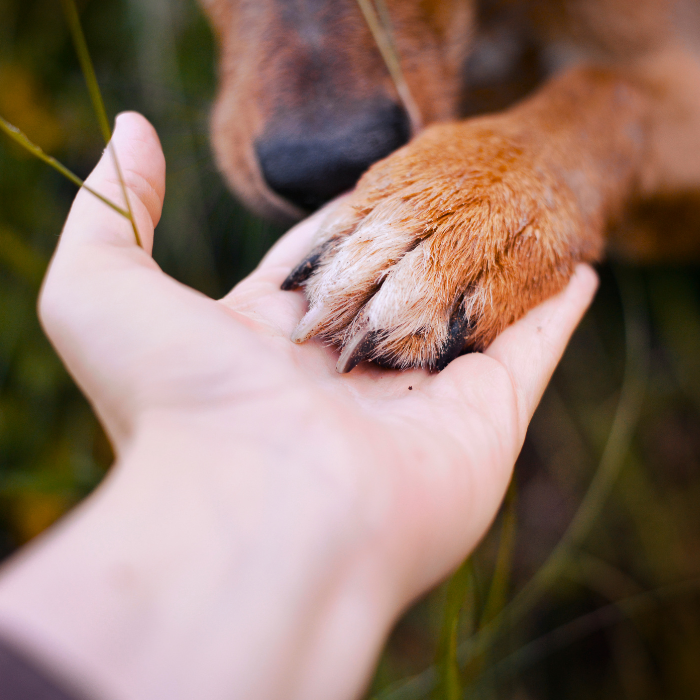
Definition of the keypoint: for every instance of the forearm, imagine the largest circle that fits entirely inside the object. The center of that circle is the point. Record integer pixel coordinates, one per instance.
(189, 576)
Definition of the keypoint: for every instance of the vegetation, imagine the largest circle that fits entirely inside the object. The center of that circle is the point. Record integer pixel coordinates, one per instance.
(588, 582)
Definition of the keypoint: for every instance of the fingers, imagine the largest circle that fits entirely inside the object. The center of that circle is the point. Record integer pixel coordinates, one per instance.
(94, 232)
(96, 240)
(99, 281)
(497, 393)
(142, 165)
(531, 348)
(529, 351)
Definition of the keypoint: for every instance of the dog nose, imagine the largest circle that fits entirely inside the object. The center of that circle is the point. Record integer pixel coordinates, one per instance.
(314, 165)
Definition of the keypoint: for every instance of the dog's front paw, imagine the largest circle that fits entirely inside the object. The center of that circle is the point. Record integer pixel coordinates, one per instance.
(444, 244)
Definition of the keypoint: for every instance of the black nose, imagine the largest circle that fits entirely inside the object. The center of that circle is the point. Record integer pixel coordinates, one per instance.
(314, 165)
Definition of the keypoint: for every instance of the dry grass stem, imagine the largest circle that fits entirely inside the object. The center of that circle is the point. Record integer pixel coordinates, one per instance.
(379, 22)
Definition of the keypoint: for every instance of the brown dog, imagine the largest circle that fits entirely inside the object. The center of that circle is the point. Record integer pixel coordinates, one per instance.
(457, 234)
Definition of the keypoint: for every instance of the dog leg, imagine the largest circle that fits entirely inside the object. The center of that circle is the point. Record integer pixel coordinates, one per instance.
(461, 232)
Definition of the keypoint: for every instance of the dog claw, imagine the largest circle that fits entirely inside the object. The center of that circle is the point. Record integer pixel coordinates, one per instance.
(301, 272)
(304, 269)
(357, 349)
(456, 342)
(308, 325)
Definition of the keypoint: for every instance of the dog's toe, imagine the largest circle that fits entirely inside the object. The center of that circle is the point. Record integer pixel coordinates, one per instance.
(386, 298)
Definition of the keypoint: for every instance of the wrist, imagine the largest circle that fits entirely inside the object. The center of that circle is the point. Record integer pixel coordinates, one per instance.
(195, 569)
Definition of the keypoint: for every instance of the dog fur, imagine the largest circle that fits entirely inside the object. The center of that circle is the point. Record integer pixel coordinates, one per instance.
(460, 232)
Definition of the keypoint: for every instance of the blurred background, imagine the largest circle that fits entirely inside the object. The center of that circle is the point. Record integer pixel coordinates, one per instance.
(616, 614)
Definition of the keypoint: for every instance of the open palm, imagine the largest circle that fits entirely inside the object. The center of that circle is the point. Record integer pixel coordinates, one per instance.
(416, 463)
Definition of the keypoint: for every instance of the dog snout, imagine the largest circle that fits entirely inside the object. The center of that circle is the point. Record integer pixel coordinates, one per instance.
(321, 158)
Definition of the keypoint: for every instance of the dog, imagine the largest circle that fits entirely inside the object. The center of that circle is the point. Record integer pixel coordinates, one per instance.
(455, 227)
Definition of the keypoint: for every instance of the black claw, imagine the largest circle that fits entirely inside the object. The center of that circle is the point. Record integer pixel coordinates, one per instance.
(302, 271)
(305, 268)
(456, 343)
(359, 348)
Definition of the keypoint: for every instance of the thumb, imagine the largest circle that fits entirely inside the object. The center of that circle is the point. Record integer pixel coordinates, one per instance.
(135, 147)
(99, 279)
(96, 239)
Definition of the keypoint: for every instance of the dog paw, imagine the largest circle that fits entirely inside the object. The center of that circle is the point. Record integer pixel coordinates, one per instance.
(444, 244)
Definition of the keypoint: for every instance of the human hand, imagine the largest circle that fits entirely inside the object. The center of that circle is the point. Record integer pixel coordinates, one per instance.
(341, 497)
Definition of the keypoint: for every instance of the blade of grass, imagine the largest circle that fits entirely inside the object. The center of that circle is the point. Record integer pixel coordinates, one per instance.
(379, 22)
(497, 593)
(76, 31)
(618, 443)
(20, 138)
(78, 36)
(460, 585)
(498, 590)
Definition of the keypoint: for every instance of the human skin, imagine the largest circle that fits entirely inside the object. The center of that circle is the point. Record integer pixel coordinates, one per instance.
(266, 519)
